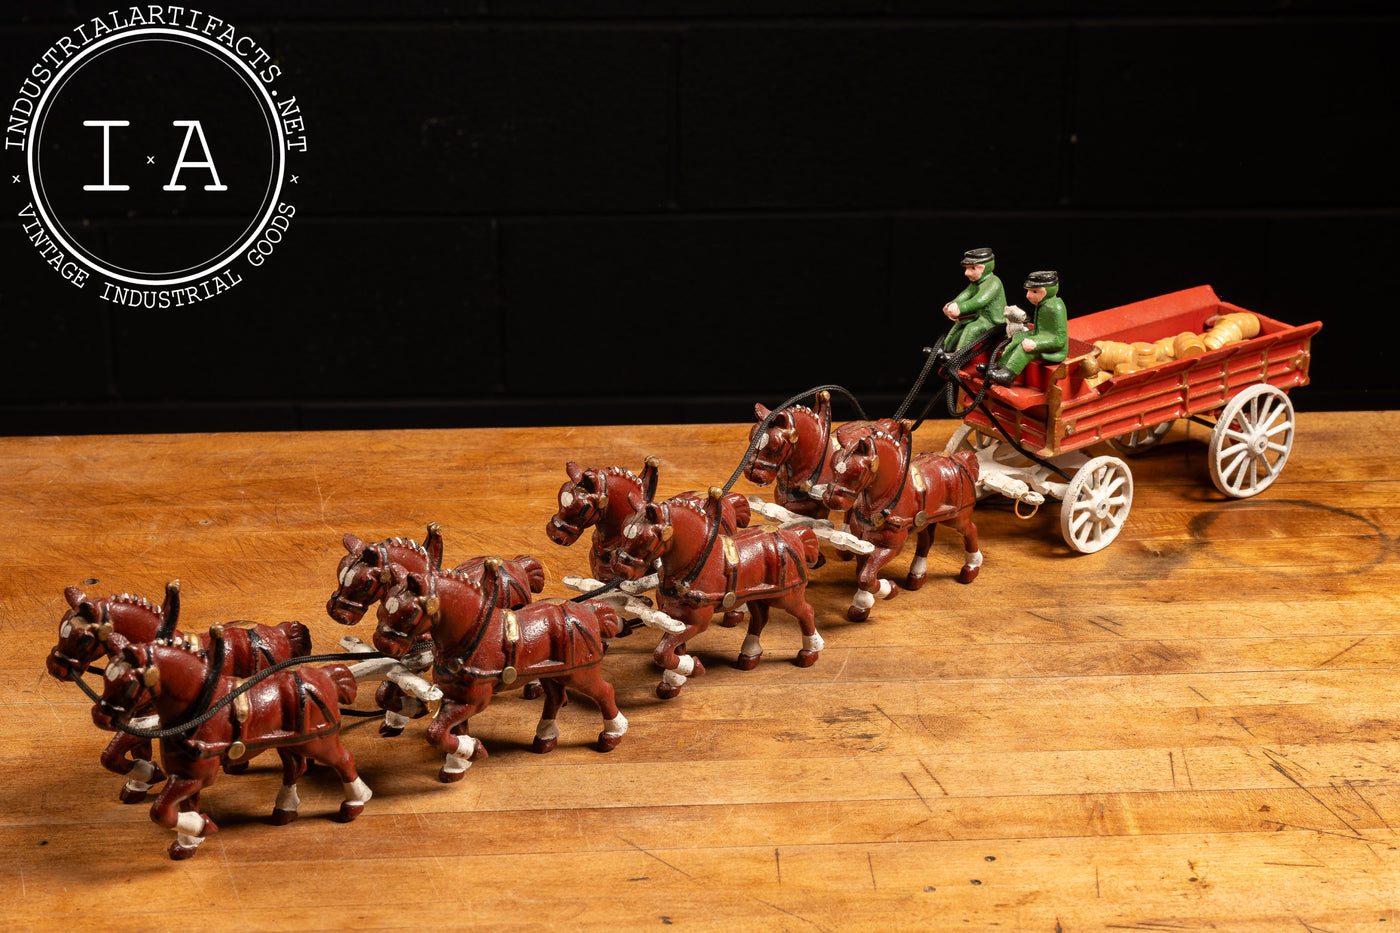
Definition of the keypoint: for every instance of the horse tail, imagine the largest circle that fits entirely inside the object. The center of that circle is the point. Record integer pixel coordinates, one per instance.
(608, 622)
(345, 686)
(968, 461)
(742, 512)
(533, 570)
(298, 638)
(811, 547)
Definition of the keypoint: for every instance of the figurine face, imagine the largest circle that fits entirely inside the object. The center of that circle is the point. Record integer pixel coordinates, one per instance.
(582, 503)
(121, 693)
(644, 540)
(974, 271)
(1035, 295)
(851, 473)
(773, 449)
(402, 619)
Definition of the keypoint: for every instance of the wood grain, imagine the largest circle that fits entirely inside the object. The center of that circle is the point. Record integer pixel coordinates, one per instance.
(1193, 729)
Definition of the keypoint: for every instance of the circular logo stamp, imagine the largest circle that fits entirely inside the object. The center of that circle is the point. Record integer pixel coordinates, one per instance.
(155, 150)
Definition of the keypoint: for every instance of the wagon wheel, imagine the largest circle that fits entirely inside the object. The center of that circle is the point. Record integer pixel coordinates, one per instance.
(1135, 442)
(1096, 504)
(967, 438)
(1251, 441)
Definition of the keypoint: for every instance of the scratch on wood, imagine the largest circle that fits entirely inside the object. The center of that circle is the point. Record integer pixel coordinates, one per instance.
(870, 863)
(888, 716)
(916, 791)
(934, 779)
(1242, 725)
(1098, 891)
(1105, 627)
(778, 863)
(1200, 694)
(788, 912)
(1190, 783)
(1310, 928)
(1311, 829)
(1171, 760)
(1351, 786)
(657, 857)
(1342, 652)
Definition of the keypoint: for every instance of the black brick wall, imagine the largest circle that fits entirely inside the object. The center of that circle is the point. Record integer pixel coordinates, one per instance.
(594, 211)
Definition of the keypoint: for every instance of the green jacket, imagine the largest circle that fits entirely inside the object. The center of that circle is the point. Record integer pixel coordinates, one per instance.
(984, 300)
(1049, 330)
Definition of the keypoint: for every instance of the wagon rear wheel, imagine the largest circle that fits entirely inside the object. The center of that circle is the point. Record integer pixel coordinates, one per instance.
(1251, 441)
(1096, 504)
(1135, 442)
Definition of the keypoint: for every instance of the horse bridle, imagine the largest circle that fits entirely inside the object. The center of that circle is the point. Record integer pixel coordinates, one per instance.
(597, 503)
(378, 583)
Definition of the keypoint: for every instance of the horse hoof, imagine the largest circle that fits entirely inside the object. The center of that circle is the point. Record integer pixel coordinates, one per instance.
(894, 591)
(283, 817)
(748, 662)
(699, 668)
(807, 658)
(236, 767)
(390, 732)
(543, 746)
(479, 752)
(666, 691)
(533, 690)
(731, 619)
(128, 795)
(968, 574)
(179, 853)
(451, 777)
(857, 614)
(350, 809)
(607, 741)
(914, 582)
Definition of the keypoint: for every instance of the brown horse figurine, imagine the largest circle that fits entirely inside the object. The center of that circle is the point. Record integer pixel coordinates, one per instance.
(604, 499)
(481, 648)
(796, 453)
(296, 712)
(704, 571)
(886, 494)
(363, 579)
(92, 628)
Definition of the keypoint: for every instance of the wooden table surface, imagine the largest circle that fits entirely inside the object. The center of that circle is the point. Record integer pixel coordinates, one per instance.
(1193, 729)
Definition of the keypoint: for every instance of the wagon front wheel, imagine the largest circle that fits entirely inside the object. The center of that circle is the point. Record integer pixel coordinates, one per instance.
(1096, 504)
(1251, 441)
(1135, 442)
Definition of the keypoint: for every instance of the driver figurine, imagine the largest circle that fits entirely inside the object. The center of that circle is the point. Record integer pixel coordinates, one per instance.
(981, 306)
(1048, 337)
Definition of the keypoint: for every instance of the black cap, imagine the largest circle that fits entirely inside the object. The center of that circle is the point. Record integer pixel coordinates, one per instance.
(979, 256)
(1041, 280)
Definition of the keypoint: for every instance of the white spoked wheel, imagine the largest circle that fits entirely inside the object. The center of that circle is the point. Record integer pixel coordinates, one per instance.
(1135, 442)
(1251, 441)
(967, 438)
(1096, 504)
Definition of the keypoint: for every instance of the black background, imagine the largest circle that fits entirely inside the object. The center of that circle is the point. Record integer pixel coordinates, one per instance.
(598, 211)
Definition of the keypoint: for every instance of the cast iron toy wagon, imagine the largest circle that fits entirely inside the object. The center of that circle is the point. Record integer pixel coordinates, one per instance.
(1057, 410)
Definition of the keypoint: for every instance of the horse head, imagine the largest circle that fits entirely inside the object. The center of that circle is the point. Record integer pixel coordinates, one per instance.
(94, 627)
(775, 446)
(583, 502)
(408, 612)
(854, 467)
(363, 573)
(131, 682)
(646, 536)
